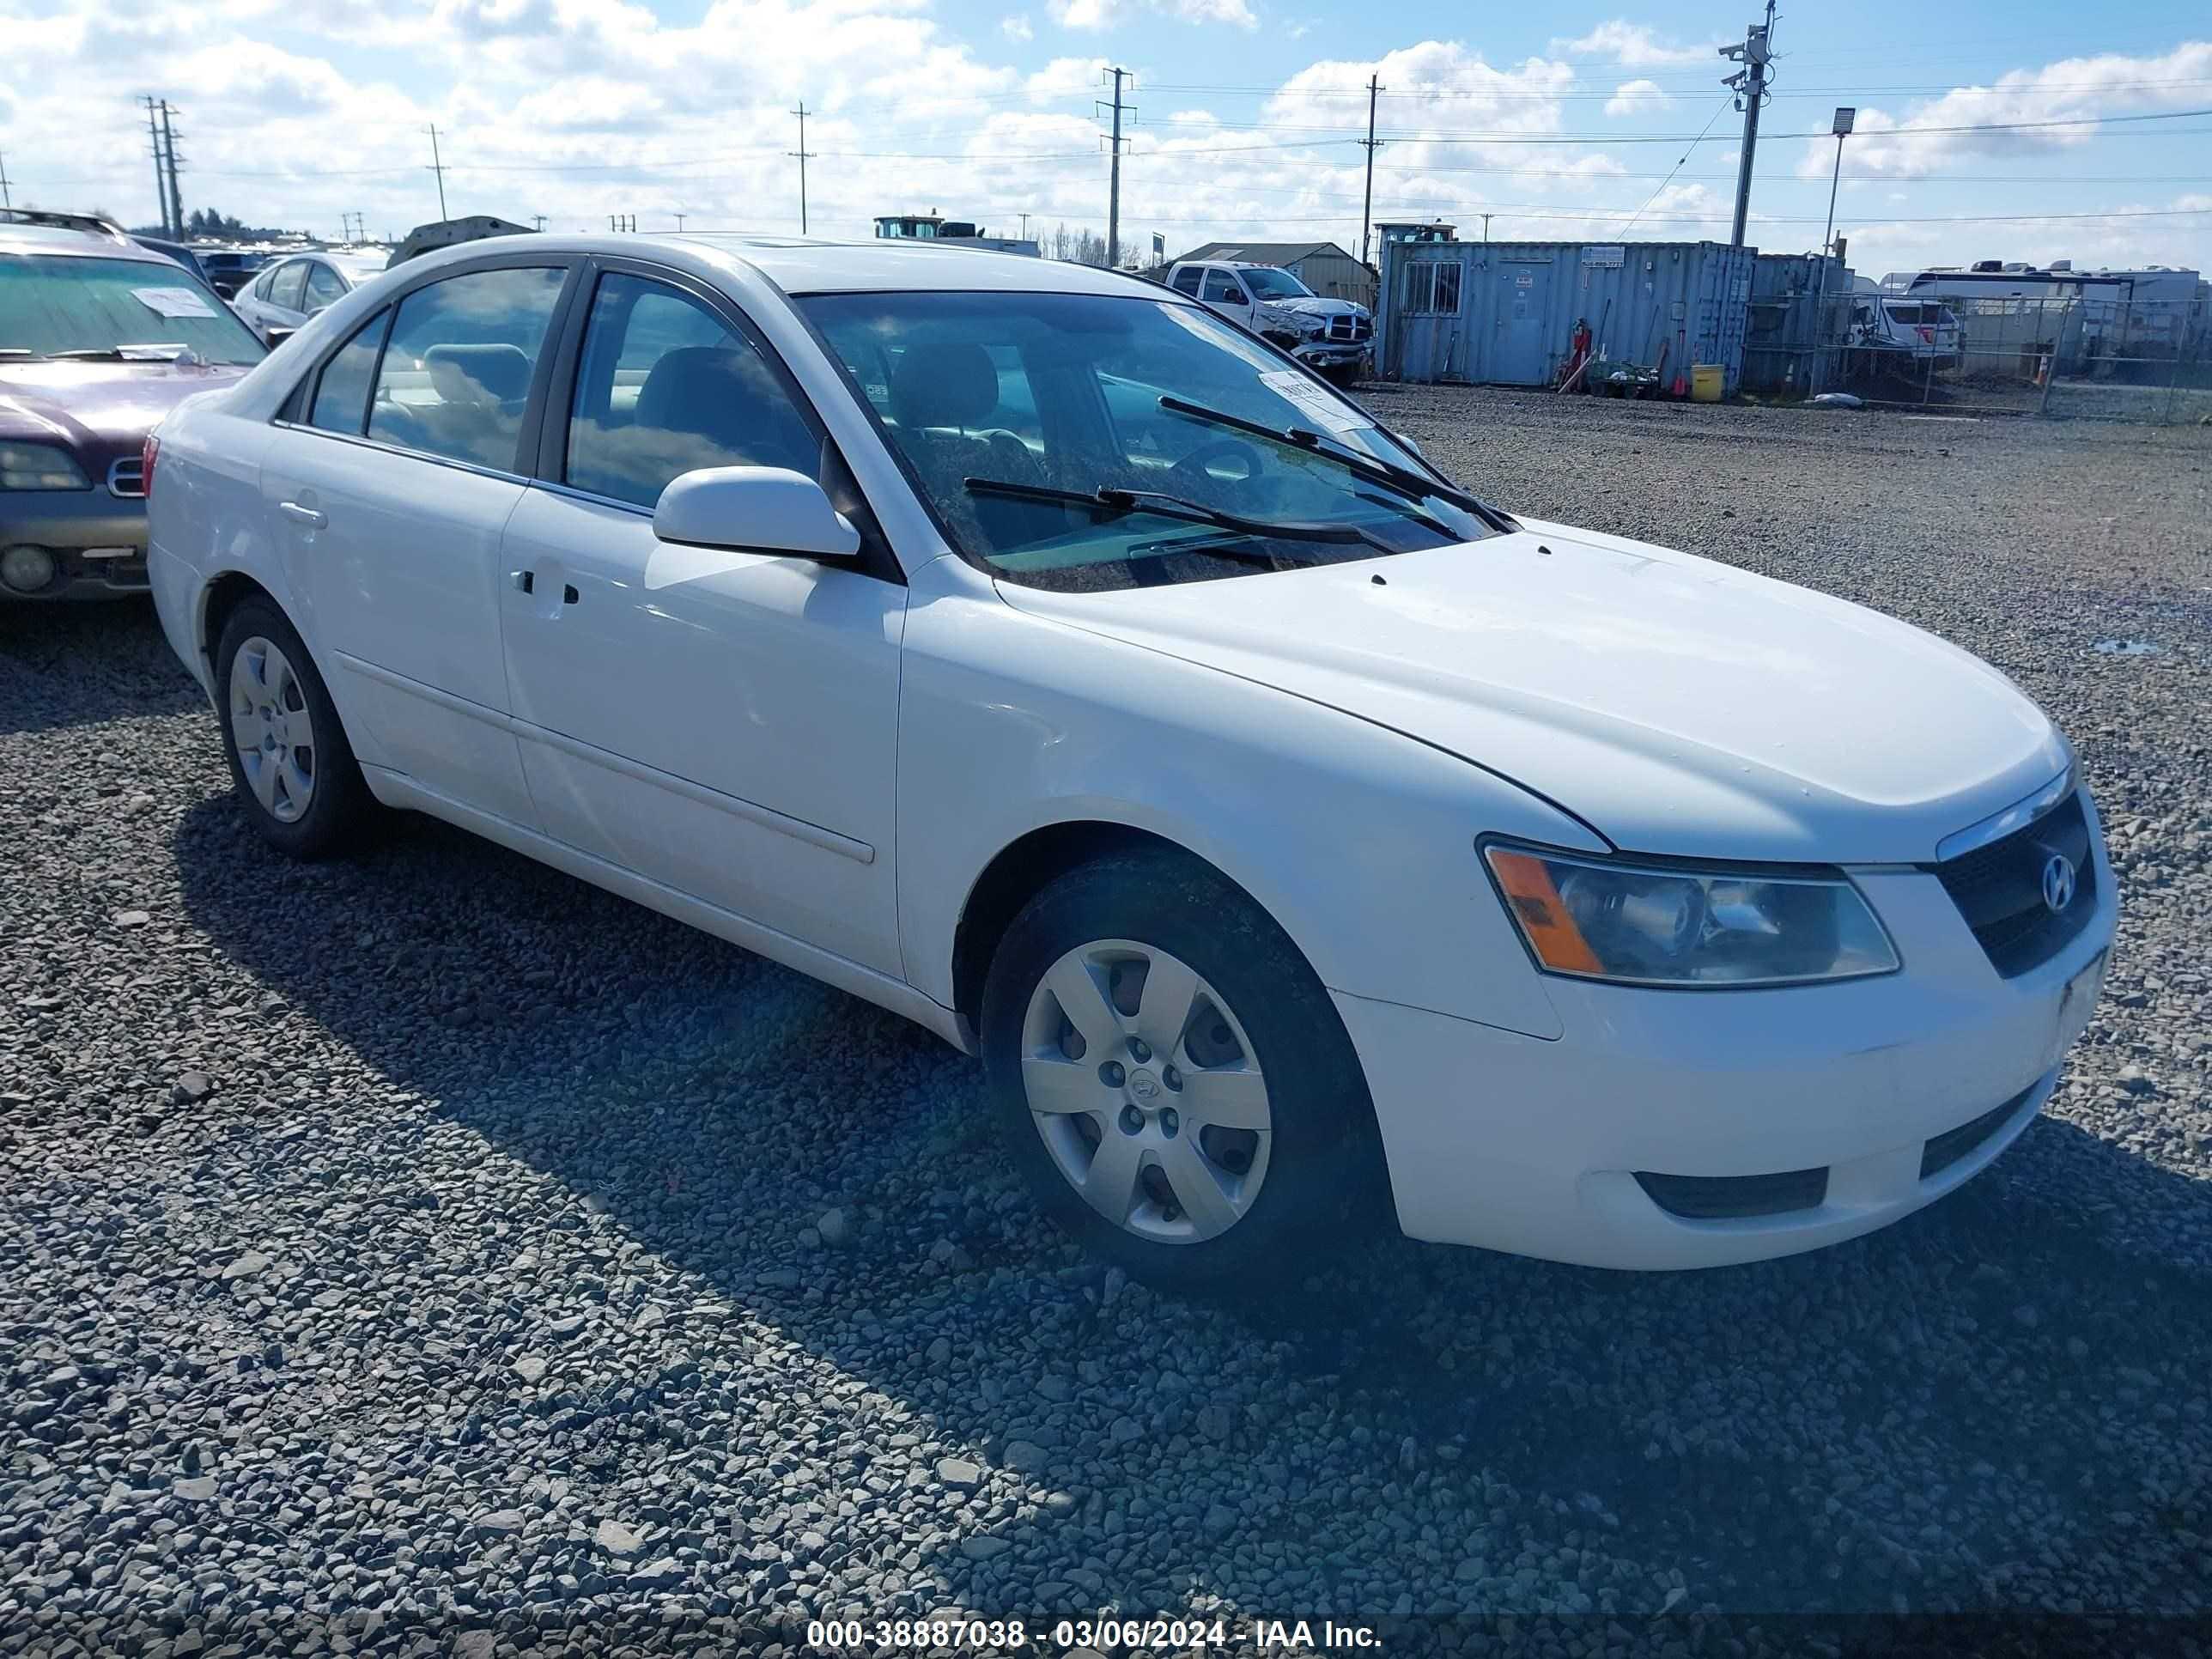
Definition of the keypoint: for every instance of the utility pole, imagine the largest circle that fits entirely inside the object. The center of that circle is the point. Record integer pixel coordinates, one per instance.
(1373, 143)
(1750, 85)
(1485, 230)
(1025, 221)
(160, 174)
(169, 145)
(802, 153)
(6, 200)
(1114, 184)
(438, 167)
(540, 221)
(680, 218)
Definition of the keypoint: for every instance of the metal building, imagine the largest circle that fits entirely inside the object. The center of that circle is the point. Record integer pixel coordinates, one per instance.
(1324, 267)
(1503, 314)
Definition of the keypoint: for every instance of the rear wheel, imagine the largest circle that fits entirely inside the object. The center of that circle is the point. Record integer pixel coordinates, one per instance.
(1171, 1078)
(294, 772)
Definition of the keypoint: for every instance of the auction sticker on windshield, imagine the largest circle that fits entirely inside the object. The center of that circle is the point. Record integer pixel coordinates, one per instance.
(1315, 401)
(172, 301)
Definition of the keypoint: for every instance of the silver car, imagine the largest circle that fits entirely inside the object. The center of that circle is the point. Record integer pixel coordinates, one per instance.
(290, 291)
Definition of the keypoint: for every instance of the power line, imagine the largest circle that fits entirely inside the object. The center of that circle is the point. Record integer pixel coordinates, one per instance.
(1669, 179)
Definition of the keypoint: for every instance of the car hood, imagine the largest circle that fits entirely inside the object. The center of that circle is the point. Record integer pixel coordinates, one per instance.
(100, 409)
(1316, 305)
(1675, 705)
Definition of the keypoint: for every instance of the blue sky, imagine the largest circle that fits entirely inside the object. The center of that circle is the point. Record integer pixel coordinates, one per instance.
(1559, 121)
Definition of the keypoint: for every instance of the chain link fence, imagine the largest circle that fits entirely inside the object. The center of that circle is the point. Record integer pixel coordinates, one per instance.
(2070, 356)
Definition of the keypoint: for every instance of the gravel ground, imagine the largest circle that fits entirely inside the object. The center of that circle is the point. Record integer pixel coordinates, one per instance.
(428, 1253)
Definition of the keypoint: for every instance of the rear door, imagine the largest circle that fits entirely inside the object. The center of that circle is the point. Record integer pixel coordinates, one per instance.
(389, 487)
(723, 722)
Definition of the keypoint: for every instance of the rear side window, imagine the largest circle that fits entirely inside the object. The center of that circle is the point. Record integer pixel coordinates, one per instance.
(342, 395)
(665, 387)
(284, 290)
(323, 287)
(1185, 280)
(457, 369)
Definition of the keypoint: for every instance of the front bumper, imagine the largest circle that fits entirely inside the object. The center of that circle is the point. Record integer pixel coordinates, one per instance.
(98, 541)
(1332, 354)
(1537, 1147)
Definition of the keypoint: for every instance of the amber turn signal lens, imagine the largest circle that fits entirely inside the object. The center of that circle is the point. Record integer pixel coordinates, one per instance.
(1557, 942)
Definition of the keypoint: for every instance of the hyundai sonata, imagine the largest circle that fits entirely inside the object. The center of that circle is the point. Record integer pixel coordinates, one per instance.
(1025, 648)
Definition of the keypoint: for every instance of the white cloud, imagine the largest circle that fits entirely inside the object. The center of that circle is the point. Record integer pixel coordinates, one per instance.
(1632, 46)
(1064, 77)
(1632, 97)
(2072, 92)
(1100, 15)
(1016, 28)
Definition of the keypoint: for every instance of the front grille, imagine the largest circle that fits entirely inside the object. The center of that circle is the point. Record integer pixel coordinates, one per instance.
(1728, 1198)
(127, 477)
(1999, 890)
(1349, 328)
(1948, 1148)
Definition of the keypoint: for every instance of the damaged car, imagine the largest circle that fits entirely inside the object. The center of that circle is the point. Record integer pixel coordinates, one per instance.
(1333, 337)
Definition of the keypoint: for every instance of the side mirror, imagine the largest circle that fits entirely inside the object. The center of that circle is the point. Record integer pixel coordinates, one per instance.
(755, 509)
(277, 336)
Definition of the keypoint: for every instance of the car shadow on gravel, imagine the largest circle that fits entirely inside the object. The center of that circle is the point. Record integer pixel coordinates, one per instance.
(1924, 1417)
(87, 664)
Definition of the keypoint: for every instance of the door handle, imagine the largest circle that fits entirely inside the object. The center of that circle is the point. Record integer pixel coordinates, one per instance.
(568, 595)
(306, 515)
(523, 579)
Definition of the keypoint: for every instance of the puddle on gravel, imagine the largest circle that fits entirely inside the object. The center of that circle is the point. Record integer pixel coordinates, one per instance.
(2125, 648)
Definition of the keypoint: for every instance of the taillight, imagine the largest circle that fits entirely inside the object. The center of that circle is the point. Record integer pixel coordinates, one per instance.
(147, 452)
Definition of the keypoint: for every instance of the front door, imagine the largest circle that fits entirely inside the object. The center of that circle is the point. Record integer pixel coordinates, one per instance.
(725, 723)
(1524, 348)
(390, 498)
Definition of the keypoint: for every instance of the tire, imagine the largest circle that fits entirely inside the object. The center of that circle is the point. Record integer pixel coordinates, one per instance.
(277, 691)
(1319, 1183)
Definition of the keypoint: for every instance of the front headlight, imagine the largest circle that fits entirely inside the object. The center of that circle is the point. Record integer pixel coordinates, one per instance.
(40, 467)
(1651, 925)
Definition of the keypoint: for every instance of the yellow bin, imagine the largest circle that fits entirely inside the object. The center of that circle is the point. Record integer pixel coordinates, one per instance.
(1706, 383)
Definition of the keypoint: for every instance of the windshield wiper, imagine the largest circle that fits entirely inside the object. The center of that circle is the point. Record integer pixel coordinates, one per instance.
(1388, 474)
(1109, 501)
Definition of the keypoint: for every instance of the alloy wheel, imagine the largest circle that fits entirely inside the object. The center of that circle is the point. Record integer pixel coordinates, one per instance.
(273, 732)
(1144, 1088)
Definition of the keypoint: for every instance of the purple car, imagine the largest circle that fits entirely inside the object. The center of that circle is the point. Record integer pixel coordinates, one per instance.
(99, 339)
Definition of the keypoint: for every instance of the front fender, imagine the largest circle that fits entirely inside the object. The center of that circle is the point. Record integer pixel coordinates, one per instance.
(1358, 841)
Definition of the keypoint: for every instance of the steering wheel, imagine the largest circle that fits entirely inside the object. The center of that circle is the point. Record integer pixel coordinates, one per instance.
(1194, 465)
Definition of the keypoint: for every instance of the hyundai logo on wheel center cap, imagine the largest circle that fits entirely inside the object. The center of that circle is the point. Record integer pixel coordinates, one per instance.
(1144, 1086)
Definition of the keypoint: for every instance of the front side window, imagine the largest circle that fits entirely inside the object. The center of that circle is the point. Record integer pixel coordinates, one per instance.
(341, 394)
(1013, 412)
(456, 375)
(290, 280)
(665, 387)
(1221, 289)
(62, 306)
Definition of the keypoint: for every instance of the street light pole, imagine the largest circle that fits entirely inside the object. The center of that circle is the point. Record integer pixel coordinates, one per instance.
(1845, 118)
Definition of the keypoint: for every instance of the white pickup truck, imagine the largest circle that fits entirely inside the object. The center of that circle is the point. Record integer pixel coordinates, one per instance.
(1332, 335)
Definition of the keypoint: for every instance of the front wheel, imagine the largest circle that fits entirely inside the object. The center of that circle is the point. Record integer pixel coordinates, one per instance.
(1172, 1080)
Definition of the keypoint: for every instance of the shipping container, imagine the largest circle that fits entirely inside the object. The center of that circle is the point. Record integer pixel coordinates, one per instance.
(1801, 307)
(1503, 314)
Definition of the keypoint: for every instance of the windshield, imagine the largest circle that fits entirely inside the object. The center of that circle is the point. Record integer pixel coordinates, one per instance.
(55, 304)
(995, 400)
(1271, 284)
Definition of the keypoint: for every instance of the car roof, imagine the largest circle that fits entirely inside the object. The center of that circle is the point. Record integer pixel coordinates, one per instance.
(45, 239)
(807, 265)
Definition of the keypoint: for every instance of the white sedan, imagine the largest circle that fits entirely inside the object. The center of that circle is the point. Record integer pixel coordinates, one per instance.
(1294, 836)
